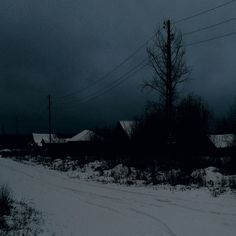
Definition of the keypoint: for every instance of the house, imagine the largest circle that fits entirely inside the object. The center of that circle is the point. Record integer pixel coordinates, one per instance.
(222, 140)
(224, 144)
(40, 139)
(85, 143)
(126, 128)
(85, 135)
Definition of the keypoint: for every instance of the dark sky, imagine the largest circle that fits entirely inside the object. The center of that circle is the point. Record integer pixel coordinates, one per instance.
(60, 47)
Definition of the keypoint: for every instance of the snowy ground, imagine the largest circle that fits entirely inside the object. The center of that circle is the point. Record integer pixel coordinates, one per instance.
(78, 207)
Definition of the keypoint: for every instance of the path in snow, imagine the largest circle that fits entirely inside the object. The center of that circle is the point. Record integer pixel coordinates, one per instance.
(75, 207)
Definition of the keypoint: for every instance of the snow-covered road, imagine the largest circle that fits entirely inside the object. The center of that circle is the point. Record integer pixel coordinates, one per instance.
(76, 207)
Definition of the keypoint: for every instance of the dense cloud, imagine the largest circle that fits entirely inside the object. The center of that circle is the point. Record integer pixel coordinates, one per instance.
(62, 46)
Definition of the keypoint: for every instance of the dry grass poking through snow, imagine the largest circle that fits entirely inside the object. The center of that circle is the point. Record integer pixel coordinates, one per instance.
(17, 218)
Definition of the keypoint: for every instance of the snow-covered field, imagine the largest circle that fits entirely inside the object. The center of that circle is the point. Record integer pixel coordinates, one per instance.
(72, 206)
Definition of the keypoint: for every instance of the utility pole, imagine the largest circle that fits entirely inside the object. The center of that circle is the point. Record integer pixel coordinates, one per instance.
(169, 95)
(50, 118)
(17, 130)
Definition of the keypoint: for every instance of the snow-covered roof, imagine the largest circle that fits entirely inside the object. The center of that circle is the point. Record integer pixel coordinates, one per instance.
(86, 135)
(222, 140)
(38, 138)
(5, 150)
(128, 126)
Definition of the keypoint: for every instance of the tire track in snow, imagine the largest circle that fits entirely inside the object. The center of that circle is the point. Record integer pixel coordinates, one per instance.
(78, 193)
(175, 198)
(149, 204)
(168, 202)
(75, 191)
(114, 199)
(163, 225)
(103, 207)
(202, 211)
(18, 171)
(67, 179)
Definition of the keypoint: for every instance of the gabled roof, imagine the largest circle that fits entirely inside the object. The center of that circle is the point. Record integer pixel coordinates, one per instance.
(86, 135)
(222, 140)
(39, 138)
(128, 126)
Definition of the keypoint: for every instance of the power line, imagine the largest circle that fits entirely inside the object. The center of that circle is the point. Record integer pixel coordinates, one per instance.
(110, 72)
(210, 26)
(126, 76)
(121, 78)
(204, 12)
(211, 39)
(117, 83)
(145, 43)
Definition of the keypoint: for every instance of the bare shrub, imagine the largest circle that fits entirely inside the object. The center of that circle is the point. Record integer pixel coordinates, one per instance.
(17, 218)
(5, 204)
(232, 182)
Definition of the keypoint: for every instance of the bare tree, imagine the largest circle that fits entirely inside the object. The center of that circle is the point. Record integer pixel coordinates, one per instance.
(227, 124)
(166, 57)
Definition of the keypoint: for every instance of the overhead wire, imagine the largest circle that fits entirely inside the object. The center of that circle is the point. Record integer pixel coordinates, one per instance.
(135, 52)
(111, 71)
(123, 78)
(209, 26)
(140, 66)
(117, 82)
(211, 39)
(204, 12)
